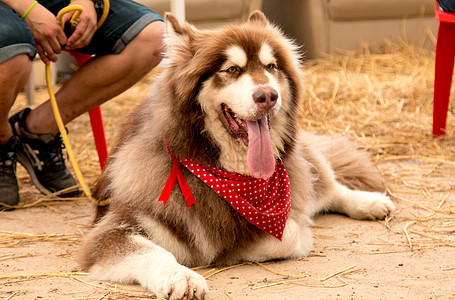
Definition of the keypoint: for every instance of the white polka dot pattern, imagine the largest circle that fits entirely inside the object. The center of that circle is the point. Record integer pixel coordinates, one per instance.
(263, 202)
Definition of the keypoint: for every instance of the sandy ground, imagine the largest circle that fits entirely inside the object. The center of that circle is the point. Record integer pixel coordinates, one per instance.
(351, 260)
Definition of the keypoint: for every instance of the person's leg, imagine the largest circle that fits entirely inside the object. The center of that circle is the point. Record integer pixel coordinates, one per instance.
(127, 46)
(13, 77)
(16, 53)
(101, 79)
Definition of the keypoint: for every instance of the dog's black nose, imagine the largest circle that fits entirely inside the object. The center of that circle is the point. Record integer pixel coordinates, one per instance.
(265, 97)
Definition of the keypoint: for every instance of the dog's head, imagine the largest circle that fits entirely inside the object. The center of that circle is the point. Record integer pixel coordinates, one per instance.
(236, 92)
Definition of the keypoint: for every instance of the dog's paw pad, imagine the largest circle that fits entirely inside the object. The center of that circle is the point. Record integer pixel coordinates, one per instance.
(182, 283)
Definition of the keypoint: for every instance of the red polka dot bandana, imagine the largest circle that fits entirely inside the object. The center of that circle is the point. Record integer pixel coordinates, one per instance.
(263, 202)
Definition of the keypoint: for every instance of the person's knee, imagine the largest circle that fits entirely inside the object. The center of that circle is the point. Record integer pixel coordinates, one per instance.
(19, 65)
(150, 42)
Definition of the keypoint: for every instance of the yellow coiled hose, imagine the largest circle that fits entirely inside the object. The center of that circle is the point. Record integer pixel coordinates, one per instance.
(78, 11)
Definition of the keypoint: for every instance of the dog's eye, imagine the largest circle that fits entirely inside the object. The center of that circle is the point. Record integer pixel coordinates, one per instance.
(231, 70)
(271, 66)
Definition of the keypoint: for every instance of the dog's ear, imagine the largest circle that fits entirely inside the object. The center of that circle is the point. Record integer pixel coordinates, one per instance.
(179, 39)
(173, 26)
(258, 17)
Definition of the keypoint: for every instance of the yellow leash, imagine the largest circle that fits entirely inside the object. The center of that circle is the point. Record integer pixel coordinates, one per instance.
(78, 10)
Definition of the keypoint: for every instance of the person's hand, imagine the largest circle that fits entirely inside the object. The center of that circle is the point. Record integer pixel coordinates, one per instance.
(49, 36)
(47, 33)
(86, 27)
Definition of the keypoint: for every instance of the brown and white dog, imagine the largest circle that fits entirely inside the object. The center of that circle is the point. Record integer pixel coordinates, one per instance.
(221, 119)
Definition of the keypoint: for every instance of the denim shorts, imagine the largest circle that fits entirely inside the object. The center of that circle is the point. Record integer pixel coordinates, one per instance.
(125, 20)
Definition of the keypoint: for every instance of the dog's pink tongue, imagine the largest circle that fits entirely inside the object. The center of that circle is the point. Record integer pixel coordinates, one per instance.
(259, 157)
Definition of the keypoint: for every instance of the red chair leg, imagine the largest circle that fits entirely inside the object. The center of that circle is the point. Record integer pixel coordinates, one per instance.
(98, 133)
(96, 119)
(445, 53)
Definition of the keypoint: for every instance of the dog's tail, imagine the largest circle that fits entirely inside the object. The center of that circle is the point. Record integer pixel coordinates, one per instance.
(352, 167)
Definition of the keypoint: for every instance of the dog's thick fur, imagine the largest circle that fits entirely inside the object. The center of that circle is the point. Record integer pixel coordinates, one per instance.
(141, 240)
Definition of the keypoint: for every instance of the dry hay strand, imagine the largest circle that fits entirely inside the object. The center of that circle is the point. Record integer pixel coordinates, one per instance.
(296, 279)
(47, 200)
(306, 279)
(112, 290)
(10, 239)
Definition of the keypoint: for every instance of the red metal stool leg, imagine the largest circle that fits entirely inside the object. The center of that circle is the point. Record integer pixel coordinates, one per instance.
(96, 119)
(445, 54)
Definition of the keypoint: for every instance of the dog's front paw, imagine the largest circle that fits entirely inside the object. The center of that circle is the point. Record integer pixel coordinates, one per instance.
(179, 282)
(368, 205)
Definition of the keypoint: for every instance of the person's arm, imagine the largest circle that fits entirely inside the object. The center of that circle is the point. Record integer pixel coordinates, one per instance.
(86, 28)
(47, 32)
(44, 27)
(19, 6)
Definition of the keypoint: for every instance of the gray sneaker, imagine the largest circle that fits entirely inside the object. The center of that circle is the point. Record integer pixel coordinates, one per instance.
(9, 192)
(42, 157)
